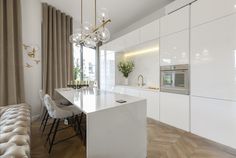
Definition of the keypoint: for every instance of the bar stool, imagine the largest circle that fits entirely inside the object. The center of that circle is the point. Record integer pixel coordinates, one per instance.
(67, 112)
(44, 113)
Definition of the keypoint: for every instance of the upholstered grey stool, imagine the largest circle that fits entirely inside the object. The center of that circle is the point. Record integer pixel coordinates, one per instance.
(60, 113)
(44, 113)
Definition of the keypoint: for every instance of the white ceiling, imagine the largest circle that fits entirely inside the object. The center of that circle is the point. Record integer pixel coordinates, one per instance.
(122, 12)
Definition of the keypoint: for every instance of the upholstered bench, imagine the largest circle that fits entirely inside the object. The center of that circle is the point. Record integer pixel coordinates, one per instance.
(15, 131)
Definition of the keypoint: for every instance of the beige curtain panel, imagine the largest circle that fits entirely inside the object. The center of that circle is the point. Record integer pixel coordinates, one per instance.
(57, 51)
(11, 64)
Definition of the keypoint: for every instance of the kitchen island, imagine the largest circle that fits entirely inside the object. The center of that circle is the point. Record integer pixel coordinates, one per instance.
(114, 130)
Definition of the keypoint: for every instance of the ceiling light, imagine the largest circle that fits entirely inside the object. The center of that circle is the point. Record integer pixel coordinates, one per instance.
(89, 35)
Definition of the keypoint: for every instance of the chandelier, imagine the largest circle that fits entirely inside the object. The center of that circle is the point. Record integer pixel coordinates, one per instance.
(89, 35)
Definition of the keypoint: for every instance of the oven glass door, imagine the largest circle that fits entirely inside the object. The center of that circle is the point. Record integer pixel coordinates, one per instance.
(175, 81)
(179, 79)
(167, 79)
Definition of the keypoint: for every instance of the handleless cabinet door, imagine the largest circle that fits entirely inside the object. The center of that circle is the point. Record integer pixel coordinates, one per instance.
(132, 92)
(153, 107)
(204, 11)
(174, 110)
(174, 49)
(214, 119)
(118, 44)
(213, 59)
(175, 22)
(149, 31)
(132, 39)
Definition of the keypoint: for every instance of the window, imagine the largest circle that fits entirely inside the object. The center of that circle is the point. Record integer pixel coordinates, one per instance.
(84, 64)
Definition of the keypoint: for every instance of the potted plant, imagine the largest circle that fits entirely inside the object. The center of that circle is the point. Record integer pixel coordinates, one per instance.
(126, 67)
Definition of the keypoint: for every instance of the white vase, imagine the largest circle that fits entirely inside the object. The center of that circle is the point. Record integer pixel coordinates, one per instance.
(126, 81)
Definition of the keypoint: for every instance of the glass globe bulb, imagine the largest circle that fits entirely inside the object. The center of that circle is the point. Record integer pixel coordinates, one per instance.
(102, 15)
(87, 28)
(103, 12)
(89, 43)
(104, 35)
(94, 37)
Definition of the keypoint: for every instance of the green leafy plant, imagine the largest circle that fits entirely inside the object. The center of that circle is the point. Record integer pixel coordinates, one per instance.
(126, 67)
(76, 73)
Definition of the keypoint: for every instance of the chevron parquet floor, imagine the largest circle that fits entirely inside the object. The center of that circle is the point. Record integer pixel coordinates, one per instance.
(163, 142)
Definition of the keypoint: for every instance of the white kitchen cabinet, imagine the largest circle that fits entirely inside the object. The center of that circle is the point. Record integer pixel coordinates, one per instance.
(132, 39)
(175, 22)
(174, 110)
(174, 49)
(214, 119)
(203, 11)
(213, 59)
(150, 31)
(177, 4)
(151, 96)
(118, 44)
(153, 108)
(132, 92)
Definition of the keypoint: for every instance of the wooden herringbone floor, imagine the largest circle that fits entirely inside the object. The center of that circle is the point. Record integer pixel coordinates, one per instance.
(163, 142)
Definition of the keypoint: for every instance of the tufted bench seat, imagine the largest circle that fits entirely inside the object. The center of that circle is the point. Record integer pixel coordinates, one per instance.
(15, 131)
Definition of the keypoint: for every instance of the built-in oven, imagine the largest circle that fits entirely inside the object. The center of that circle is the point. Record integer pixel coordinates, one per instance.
(175, 79)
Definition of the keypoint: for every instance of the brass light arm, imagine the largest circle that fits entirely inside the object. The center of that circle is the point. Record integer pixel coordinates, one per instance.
(102, 25)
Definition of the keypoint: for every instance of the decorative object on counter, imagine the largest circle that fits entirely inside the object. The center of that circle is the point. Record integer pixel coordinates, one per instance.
(126, 67)
(89, 35)
(31, 52)
(77, 84)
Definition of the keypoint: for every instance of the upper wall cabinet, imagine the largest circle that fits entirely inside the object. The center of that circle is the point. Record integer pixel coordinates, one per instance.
(203, 11)
(117, 45)
(149, 32)
(174, 49)
(213, 59)
(132, 39)
(175, 22)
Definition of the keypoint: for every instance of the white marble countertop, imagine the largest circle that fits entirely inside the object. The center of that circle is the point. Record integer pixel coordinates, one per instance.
(91, 100)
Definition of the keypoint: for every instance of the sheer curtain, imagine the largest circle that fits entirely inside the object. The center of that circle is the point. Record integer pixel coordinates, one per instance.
(11, 64)
(56, 49)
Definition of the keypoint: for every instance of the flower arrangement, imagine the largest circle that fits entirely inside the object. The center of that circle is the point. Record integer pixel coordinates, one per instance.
(126, 67)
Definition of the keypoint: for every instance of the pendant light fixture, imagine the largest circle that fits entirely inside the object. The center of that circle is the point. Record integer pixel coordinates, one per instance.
(89, 35)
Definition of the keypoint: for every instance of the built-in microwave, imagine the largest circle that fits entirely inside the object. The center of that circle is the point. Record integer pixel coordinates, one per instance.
(175, 79)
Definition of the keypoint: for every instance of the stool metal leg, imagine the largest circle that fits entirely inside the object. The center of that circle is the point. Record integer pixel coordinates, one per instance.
(45, 123)
(44, 116)
(54, 135)
(54, 121)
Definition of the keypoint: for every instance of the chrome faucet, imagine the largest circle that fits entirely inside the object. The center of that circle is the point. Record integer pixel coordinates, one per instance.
(140, 84)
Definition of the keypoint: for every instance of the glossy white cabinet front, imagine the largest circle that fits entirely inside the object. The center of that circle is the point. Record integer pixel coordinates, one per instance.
(150, 31)
(175, 22)
(174, 49)
(152, 104)
(132, 39)
(214, 119)
(118, 44)
(213, 59)
(204, 11)
(152, 98)
(174, 110)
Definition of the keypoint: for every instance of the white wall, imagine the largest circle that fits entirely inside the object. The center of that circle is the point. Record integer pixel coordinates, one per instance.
(31, 27)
